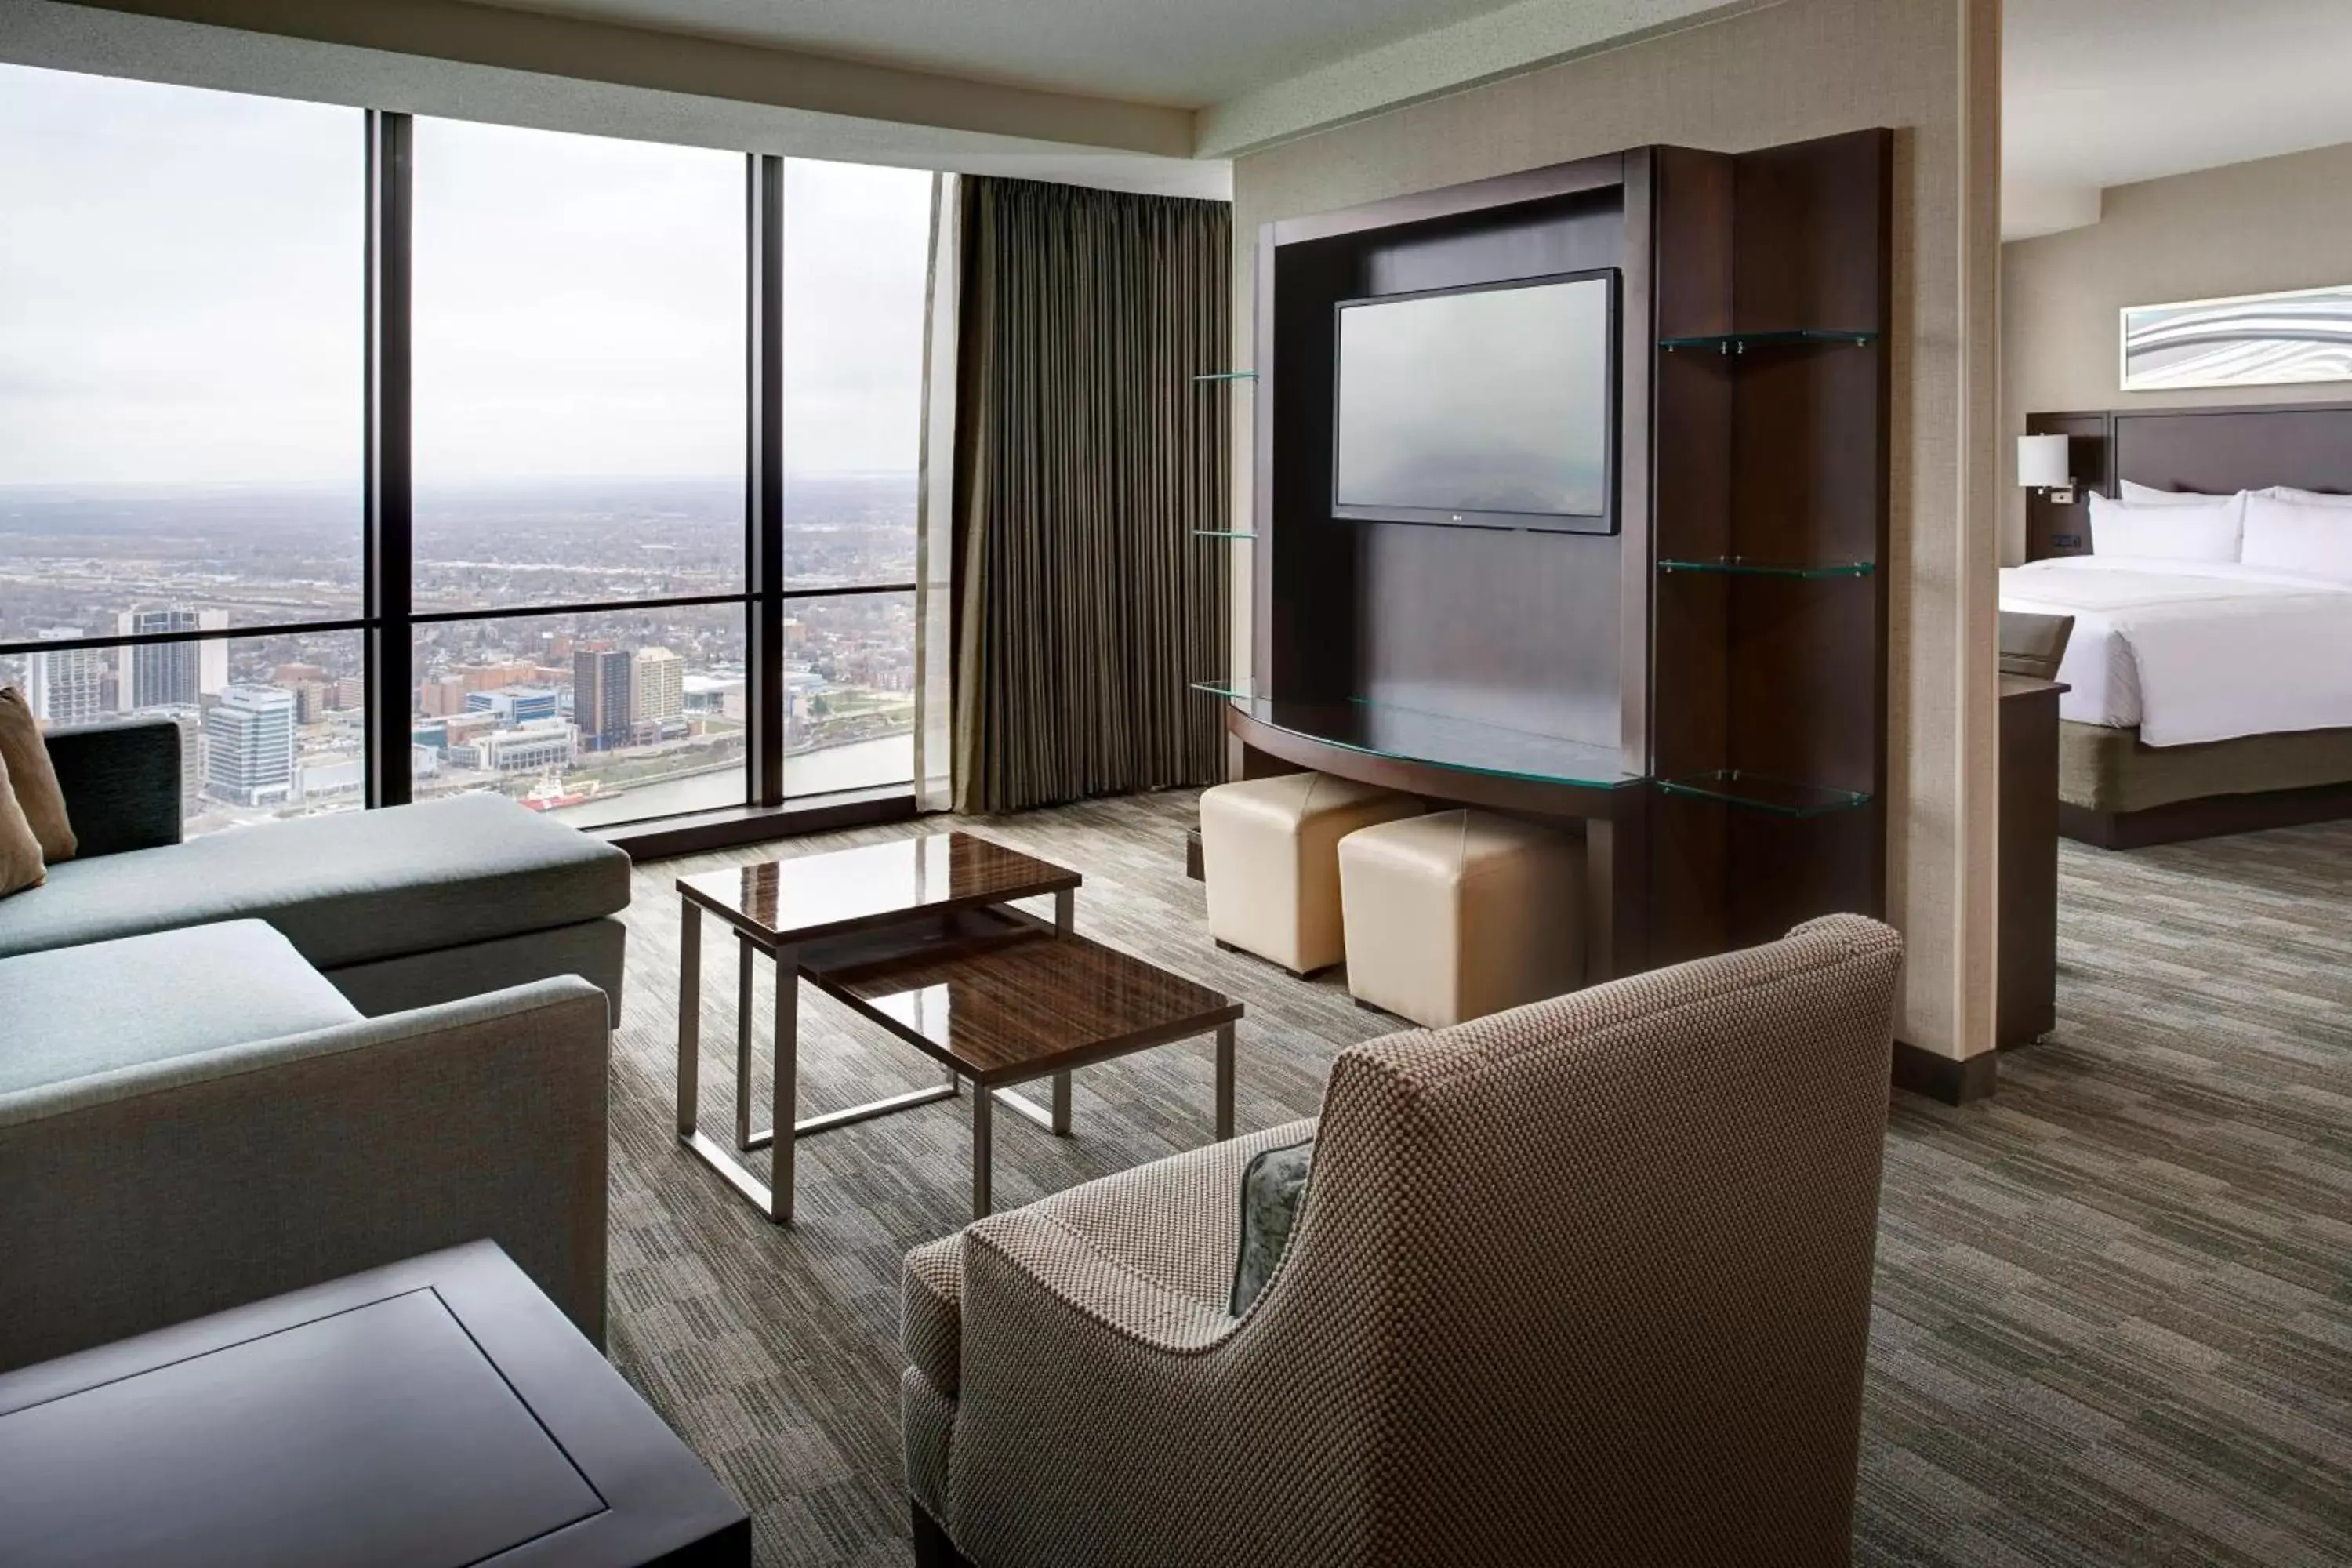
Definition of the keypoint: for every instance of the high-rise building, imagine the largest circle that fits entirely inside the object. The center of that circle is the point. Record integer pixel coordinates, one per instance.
(601, 682)
(171, 674)
(249, 746)
(68, 686)
(657, 691)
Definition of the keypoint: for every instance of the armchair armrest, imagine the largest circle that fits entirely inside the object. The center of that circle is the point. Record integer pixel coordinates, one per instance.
(153, 1194)
(121, 783)
(1040, 1278)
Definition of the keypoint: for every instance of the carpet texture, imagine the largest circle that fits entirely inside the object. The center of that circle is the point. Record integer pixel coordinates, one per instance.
(2114, 1305)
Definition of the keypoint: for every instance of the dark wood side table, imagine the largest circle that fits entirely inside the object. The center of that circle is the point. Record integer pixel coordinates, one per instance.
(2027, 1006)
(434, 1413)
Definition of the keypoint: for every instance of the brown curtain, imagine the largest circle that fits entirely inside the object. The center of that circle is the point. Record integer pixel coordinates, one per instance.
(1085, 457)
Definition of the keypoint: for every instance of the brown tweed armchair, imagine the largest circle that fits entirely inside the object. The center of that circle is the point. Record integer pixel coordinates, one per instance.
(1585, 1283)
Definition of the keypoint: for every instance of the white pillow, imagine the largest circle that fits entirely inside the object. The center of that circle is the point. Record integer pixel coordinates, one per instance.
(2148, 495)
(2205, 530)
(2308, 540)
(2304, 498)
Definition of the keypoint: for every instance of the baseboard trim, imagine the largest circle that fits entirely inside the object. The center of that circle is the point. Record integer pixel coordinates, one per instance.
(1954, 1082)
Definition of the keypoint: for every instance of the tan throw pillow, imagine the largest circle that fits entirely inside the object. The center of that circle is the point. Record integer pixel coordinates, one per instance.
(20, 852)
(35, 780)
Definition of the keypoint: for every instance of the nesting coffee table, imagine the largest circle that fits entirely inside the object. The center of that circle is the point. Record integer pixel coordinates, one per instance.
(921, 936)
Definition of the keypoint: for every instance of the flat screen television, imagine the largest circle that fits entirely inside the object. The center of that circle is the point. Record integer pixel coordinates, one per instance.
(1489, 406)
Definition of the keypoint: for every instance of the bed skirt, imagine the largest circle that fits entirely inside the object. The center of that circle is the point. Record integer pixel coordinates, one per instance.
(2119, 793)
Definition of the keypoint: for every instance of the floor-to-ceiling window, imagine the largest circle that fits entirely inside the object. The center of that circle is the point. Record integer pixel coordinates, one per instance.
(198, 477)
(181, 282)
(579, 553)
(855, 288)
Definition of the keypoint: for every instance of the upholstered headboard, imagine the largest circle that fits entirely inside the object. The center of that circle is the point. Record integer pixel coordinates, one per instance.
(2217, 450)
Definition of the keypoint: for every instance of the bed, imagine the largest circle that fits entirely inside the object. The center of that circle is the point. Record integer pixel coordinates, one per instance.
(2205, 696)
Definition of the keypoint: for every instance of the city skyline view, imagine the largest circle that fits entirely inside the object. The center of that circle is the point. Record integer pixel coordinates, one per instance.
(85, 564)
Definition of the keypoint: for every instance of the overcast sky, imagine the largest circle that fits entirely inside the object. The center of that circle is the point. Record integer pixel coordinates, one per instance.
(179, 296)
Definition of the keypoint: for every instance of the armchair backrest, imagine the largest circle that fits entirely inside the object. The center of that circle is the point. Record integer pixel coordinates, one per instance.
(1608, 1260)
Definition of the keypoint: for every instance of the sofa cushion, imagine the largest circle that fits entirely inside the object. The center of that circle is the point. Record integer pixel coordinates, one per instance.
(352, 888)
(80, 1011)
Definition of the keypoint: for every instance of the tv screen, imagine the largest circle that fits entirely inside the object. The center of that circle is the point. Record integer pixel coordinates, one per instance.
(1492, 406)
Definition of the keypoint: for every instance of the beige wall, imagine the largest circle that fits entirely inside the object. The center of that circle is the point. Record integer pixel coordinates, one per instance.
(2278, 222)
(1801, 68)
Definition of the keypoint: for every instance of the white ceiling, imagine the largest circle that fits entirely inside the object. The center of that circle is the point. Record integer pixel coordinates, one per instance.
(2107, 92)
(1187, 53)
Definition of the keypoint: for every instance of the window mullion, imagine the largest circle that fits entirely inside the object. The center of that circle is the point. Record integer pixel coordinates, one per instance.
(389, 513)
(765, 237)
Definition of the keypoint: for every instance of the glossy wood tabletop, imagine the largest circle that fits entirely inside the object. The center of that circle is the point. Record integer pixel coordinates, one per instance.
(1024, 1005)
(852, 889)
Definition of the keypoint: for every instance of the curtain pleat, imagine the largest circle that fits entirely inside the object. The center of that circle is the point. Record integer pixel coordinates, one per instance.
(1085, 457)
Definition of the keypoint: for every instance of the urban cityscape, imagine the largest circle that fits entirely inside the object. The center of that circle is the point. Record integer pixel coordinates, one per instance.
(600, 716)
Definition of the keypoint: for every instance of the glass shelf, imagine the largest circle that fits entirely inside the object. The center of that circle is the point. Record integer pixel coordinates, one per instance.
(1757, 791)
(1739, 343)
(1222, 533)
(1227, 375)
(1744, 566)
(1406, 734)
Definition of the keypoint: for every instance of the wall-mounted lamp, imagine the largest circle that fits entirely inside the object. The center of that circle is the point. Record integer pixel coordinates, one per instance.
(2043, 464)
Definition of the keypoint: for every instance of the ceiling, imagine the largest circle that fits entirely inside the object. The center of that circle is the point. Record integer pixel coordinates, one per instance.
(1186, 53)
(2107, 92)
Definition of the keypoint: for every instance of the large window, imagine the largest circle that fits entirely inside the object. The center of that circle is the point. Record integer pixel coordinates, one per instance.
(857, 283)
(578, 327)
(515, 549)
(181, 353)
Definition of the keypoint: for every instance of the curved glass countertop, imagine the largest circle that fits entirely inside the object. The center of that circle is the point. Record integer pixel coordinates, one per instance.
(1409, 735)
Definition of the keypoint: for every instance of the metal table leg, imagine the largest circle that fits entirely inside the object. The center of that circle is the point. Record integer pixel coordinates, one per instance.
(689, 1014)
(746, 997)
(1225, 1082)
(772, 1198)
(784, 1113)
(982, 1153)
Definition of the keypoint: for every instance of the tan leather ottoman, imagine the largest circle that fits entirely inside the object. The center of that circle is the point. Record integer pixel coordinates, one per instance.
(1460, 913)
(1269, 854)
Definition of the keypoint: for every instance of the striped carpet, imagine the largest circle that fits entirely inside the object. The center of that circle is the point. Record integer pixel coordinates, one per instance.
(2114, 1319)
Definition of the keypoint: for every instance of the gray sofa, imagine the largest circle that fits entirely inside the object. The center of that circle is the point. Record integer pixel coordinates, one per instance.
(264, 1058)
(401, 907)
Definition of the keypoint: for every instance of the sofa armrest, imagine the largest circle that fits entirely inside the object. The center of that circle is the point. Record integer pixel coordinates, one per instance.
(148, 1196)
(121, 783)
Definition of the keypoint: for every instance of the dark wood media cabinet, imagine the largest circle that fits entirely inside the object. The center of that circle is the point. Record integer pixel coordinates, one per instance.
(1704, 691)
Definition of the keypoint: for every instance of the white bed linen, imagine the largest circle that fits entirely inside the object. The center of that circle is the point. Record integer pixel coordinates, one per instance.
(2194, 651)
